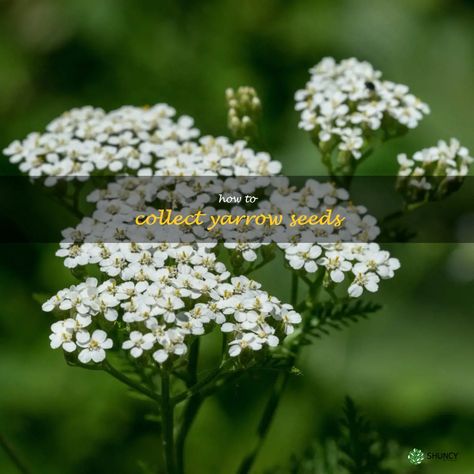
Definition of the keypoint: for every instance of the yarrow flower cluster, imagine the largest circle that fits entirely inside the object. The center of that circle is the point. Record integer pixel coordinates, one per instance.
(151, 298)
(444, 159)
(211, 156)
(364, 264)
(131, 140)
(173, 294)
(153, 287)
(434, 172)
(113, 220)
(305, 248)
(344, 104)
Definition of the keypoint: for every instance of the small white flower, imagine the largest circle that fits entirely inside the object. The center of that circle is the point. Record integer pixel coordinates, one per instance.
(363, 279)
(160, 356)
(94, 345)
(303, 256)
(138, 343)
(352, 141)
(336, 265)
(62, 336)
(290, 318)
(248, 340)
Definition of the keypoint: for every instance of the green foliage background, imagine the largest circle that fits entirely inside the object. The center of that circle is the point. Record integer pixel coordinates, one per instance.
(409, 367)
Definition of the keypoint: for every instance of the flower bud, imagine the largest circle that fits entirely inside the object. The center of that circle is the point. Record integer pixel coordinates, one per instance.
(244, 109)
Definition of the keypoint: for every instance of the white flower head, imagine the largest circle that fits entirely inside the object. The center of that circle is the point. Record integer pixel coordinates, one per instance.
(344, 104)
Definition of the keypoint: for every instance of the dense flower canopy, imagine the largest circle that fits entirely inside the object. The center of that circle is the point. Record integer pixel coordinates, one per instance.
(132, 140)
(150, 298)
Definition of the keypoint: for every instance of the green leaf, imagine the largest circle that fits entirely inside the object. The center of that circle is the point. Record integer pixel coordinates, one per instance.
(332, 315)
(363, 451)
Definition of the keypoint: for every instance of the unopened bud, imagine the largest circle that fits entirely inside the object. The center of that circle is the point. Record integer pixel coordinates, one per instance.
(244, 108)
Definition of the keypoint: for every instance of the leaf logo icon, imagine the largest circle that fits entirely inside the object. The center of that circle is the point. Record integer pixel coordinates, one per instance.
(416, 456)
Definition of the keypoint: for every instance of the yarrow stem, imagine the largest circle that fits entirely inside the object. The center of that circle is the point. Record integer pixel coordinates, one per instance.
(167, 422)
(127, 381)
(204, 384)
(266, 421)
(275, 397)
(191, 408)
(294, 288)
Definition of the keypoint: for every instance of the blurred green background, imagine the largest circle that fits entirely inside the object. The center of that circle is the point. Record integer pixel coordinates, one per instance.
(410, 367)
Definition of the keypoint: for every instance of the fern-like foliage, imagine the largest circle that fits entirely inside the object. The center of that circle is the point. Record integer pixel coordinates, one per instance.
(357, 449)
(363, 451)
(331, 315)
(319, 458)
(326, 316)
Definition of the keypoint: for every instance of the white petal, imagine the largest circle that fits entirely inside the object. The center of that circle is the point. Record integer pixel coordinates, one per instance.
(272, 341)
(99, 335)
(55, 341)
(98, 355)
(111, 315)
(355, 291)
(235, 350)
(82, 337)
(69, 346)
(107, 344)
(136, 352)
(160, 356)
(127, 345)
(47, 306)
(85, 356)
(372, 286)
(337, 276)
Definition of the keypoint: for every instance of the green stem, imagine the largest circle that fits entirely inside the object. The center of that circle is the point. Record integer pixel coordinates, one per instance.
(326, 159)
(257, 267)
(294, 288)
(167, 422)
(69, 206)
(224, 345)
(193, 362)
(392, 216)
(202, 385)
(190, 411)
(191, 408)
(131, 383)
(266, 420)
(13, 455)
(274, 400)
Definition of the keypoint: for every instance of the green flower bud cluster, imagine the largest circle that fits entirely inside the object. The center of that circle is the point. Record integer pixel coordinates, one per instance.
(244, 109)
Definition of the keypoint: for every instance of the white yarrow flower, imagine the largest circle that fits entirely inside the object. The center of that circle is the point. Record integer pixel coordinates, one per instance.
(93, 346)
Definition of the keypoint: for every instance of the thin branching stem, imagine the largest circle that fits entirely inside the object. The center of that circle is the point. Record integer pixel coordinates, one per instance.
(107, 367)
(274, 400)
(202, 384)
(167, 421)
(191, 408)
(256, 267)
